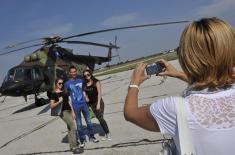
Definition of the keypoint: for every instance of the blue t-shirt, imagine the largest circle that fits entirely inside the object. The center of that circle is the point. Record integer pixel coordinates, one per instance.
(75, 89)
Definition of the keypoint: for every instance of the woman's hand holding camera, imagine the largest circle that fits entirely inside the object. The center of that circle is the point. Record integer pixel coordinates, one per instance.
(171, 71)
(139, 75)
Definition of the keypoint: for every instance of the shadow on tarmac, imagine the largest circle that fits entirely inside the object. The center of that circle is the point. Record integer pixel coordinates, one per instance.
(97, 129)
(118, 145)
(44, 110)
(29, 107)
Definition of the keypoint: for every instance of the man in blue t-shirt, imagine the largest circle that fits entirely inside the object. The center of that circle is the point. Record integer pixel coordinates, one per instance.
(75, 89)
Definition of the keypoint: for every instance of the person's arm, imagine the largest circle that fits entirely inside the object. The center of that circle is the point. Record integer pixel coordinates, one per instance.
(171, 71)
(140, 116)
(84, 93)
(86, 97)
(54, 103)
(98, 86)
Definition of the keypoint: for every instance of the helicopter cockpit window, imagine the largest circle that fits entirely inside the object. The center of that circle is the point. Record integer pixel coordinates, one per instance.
(22, 74)
(37, 74)
(9, 76)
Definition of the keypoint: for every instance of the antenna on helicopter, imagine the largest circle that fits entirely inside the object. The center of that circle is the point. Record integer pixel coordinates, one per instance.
(117, 53)
(115, 42)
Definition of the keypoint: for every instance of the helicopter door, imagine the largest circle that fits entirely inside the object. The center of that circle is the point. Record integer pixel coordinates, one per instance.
(37, 74)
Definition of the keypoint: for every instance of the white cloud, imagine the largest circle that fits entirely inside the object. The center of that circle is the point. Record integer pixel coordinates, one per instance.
(53, 30)
(216, 8)
(43, 28)
(119, 20)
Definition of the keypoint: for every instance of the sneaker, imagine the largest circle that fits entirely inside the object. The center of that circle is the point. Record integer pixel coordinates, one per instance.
(77, 150)
(82, 145)
(93, 139)
(107, 137)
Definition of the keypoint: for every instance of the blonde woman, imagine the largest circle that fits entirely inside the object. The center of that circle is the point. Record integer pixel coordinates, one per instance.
(206, 54)
(59, 96)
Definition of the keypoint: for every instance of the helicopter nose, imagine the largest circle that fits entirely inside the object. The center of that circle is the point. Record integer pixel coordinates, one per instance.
(9, 89)
(16, 88)
(3, 90)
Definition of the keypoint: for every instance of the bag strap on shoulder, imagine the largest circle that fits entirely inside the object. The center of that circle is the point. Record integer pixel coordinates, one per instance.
(186, 145)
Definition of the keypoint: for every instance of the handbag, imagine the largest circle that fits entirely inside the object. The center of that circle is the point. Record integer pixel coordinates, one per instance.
(57, 111)
(186, 146)
(168, 147)
(91, 113)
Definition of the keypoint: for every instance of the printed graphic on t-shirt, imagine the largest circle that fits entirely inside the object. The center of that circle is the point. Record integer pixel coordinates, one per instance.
(76, 91)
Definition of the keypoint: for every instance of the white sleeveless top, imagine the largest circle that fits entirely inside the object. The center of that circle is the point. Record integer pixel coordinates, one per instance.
(211, 120)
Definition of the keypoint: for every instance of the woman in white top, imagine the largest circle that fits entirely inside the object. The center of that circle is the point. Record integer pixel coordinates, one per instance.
(207, 56)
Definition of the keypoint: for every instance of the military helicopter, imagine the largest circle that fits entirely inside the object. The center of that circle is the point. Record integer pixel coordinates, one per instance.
(38, 71)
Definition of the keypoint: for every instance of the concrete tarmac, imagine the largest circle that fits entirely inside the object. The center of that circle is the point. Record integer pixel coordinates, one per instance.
(26, 129)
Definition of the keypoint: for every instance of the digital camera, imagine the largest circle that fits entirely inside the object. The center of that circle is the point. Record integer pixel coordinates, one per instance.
(154, 68)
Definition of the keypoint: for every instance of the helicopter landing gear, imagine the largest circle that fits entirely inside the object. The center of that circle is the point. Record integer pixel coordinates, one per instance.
(3, 99)
(25, 98)
(39, 101)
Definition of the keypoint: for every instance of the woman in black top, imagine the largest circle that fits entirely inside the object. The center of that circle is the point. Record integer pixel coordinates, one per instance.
(92, 89)
(57, 97)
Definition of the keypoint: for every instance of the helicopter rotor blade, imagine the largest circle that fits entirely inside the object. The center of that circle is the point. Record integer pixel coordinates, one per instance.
(20, 43)
(91, 43)
(4, 53)
(122, 28)
(58, 39)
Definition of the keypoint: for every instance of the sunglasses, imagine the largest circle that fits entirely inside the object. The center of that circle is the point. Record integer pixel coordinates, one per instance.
(87, 75)
(60, 83)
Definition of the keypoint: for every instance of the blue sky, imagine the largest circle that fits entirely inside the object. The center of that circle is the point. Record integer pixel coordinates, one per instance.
(23, 20)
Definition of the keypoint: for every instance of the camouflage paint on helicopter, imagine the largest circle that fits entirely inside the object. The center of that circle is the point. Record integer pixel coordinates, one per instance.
(39, 70)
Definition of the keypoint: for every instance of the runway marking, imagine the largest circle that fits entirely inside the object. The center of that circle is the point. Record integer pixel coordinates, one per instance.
(22, 118)
(29, 132)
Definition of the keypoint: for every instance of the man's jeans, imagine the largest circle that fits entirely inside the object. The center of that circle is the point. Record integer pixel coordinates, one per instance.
(85, 111)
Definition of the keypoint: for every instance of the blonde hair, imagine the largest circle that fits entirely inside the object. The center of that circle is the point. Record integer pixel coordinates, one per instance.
(207, 53)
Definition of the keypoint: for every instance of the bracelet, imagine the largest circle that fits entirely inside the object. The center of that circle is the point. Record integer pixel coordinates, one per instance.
(134, 86)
